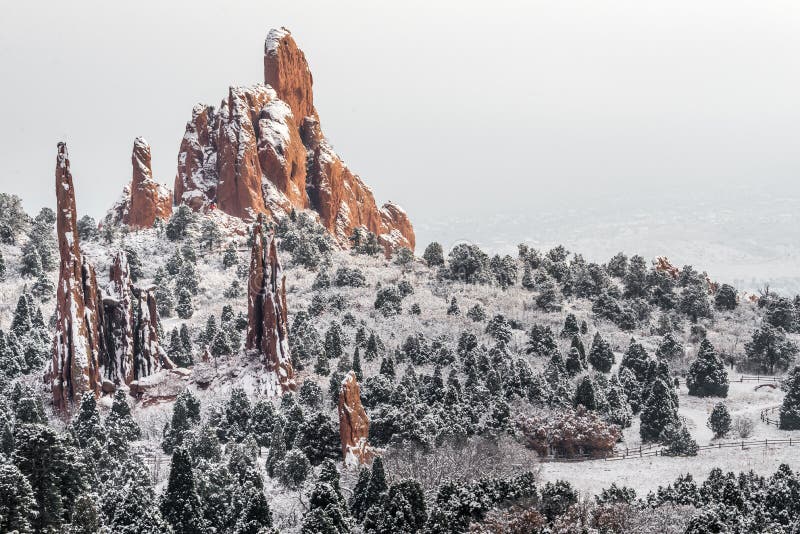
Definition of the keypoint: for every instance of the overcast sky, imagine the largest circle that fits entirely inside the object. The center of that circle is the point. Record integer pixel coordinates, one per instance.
(447, 108)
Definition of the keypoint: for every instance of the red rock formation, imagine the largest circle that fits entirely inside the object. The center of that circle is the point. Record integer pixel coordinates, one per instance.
(663, 265)
(264, 152)
(75, 366)
(144, 200)
(353, 424)
(132, 325)
(267, 330)
(118, 306)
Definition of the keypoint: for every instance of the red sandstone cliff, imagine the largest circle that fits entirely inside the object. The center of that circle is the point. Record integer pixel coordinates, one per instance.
(264, 152)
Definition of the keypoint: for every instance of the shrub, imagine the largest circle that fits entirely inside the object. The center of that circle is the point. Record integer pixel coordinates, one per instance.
(569, 433)
(720, 420)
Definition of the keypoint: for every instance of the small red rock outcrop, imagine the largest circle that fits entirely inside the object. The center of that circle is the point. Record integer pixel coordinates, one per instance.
(74, 369)
(267, 327)
(353, 424)
(264, 152)
(144, 200)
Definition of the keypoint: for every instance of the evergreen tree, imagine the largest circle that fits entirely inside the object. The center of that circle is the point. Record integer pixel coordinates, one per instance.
(403, 510)
(22, 323)
(571, 327)
(334, 345)
(357, 365)
(120, 417)
(387, 367)
(86, 517)
(210, 236)
(452, 309)
(601, 357)
(618, 265)
(573, 363)
(31, 262)
(433, 255)
(87, 228)
(174, 262)
(541, 341)
(377, 487)
(720, 420)
(43, 288)
(134, 264)
(87, 425)
(178, 226)
(769, 349)
(790, 408)
(678, 441)
(2, 267)
(17, 503)
(186, 340)
(231, 257)
(635, 278)
(185, 415)
(726, 298)
(658, 412)
(185, 308)
(187, 279)
(477, 313)
(221, 346)
(322, 367)
(358, 502)
(327, 508)
(318, 438)
(670, 348)
(637, 360)
(707, 376)
(585, 394)
(296, 468)
(181, 504)
(256, 516)
(277, 449)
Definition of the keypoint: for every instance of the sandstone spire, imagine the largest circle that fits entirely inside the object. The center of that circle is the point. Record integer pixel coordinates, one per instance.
(144, 200)
(353, 424)
(267, 330)
(77, 343)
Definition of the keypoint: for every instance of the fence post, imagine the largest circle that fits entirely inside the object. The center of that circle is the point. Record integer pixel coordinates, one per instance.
(742, 444)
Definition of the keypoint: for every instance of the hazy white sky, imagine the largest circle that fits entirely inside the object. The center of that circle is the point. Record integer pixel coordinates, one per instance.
(444, 107)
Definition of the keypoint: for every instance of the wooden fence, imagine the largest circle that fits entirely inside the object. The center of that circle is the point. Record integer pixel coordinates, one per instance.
(658, 450)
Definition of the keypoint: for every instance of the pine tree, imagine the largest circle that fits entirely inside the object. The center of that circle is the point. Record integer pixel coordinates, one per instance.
(541, 341)
(585, 394)
(601, 357)
(17, 503)
(31, 262)
(180, 504)
(231, 257)
(452, 309)
(236, 424)
(318, 438)
(221, 346)
(322, 367)
(669, 348)
(22, 322)
(573, 363)
(433, 255)
(277, 449)
(371, 350)
(377, 487)
(577, 343)
(185, 308)
(87, 425)
(658, 412)
(134, 264)
(387, 367)
(120, 416)
(187, 278)
(186, 341)
(707, 376)
(185, 415)
(43, 288)
(720, 420)
(256, 515)
(210, 235)
(477, 313)
(357, 502)
(637, 360)
(571, 327)
(790, 408)
(357, 364)
(334, 345)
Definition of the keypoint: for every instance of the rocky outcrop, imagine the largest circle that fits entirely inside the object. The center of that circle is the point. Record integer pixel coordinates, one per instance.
(353, 424)
(267, 327)
(144, 200)
(131, 326)
(110, 334)
(74, 369)
(264, 152)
